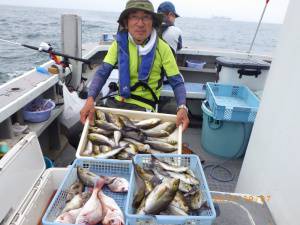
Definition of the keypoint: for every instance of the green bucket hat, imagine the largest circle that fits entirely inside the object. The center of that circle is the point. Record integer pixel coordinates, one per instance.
(145, 5)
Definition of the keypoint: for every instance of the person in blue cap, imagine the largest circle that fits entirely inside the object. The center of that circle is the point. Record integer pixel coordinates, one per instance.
(170, 33)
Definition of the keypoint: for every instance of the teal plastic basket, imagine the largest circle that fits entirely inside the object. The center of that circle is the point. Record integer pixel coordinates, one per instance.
(106, 167)
(231, 102)
(206, 217)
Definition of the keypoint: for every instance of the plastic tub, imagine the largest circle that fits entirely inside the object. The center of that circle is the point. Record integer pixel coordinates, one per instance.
(196, 64)
(38, 110)
(224, 138)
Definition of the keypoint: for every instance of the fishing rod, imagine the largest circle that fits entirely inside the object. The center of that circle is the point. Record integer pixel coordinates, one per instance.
(257, 28)
(47, 48)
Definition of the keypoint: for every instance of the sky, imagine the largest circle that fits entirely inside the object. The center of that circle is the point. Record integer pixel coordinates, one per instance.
(244, 10)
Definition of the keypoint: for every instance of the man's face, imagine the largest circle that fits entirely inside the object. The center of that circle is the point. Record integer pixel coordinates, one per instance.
(169, 17)
(140, 25)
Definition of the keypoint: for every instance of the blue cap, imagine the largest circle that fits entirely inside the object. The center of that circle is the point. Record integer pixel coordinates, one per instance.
(167, 7)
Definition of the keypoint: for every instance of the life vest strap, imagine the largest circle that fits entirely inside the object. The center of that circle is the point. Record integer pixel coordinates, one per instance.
(141, 99)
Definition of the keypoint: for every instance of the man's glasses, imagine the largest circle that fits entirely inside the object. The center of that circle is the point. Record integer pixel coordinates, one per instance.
(136, 19)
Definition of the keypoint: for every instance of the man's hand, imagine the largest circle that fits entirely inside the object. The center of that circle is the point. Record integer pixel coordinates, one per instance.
(88, 111)
(182, 118)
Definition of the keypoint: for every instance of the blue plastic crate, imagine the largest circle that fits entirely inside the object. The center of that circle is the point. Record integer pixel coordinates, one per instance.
(231, 102)
(206, 217)
(105, 167)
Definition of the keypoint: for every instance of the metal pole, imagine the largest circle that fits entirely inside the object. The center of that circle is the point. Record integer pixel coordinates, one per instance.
(257, 28)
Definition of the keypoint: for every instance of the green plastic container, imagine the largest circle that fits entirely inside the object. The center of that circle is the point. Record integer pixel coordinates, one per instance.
(224, 138)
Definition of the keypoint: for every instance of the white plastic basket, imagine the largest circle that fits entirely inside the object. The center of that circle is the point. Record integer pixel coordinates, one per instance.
(134, 115)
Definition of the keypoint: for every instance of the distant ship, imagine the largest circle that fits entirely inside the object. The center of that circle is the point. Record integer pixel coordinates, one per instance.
(223, 18)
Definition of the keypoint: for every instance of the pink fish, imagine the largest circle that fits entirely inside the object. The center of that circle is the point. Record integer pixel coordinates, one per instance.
(113, 218)
(116, 184)
(68, 217)
(91, 212)
(111, 210)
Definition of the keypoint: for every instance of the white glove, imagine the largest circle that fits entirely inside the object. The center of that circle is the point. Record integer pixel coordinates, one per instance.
(45, 46)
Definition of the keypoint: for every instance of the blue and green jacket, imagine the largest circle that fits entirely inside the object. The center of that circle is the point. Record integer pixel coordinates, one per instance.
(134, 68)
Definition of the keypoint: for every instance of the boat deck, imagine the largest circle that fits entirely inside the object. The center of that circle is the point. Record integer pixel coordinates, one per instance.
(193, 137)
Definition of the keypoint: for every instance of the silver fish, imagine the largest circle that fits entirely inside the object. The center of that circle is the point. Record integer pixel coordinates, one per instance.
(96, 149)
(148, 123)
(100, 115)
(161, 196)
(123, 143)
(167, 166)
(167, 126)
(184, 177)
(123, 155)
(77, 202)
(106, 125)
(140, 209)
(153, 152)
(131, 149)
(180, 202)
(141, 147)
(117, 137)
(184, 187)
(98, 130)
(162, 130)
(109, 154)
(160, 173)
(161, 146)
(166, 140)
(87, 177)
(147, 176)
(190, 172)
(76, 188)
(115, 119)
(197, 200)
(140, 188)
(127, 122)
(104, 149)
(156, 133)
(100, 139)
(88, 149)
(136, 135)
